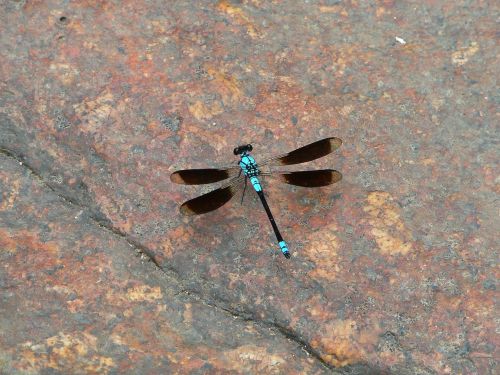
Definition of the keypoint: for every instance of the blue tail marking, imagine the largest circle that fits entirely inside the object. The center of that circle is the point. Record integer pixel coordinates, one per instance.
(284, 249)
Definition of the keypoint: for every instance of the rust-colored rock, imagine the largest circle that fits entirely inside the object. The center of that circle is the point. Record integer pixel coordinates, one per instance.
(393, 270)
(77, 299)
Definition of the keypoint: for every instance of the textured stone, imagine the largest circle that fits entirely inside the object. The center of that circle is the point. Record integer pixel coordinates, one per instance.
(77, 299)
(392, 270)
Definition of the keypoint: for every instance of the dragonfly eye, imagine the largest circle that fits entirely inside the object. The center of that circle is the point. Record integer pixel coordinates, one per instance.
(242, 149)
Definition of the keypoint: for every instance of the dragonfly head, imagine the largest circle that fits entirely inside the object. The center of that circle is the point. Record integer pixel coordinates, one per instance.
(242, 149)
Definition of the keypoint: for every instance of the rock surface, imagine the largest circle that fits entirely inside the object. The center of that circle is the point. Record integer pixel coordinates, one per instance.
(393, 270)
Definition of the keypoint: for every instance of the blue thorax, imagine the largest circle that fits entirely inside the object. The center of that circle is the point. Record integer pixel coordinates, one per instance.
(251, 170)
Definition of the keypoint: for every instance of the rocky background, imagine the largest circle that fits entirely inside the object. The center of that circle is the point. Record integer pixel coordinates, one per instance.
(393, 271)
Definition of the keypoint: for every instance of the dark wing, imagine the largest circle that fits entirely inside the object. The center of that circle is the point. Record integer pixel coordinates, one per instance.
(307, 153)
(203, 176)
(212, 200)
(320, 177)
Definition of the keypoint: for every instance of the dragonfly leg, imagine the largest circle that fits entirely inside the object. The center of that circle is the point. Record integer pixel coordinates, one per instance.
(244, 189)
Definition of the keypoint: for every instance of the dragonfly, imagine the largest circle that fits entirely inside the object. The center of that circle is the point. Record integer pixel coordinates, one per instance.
(248, 169)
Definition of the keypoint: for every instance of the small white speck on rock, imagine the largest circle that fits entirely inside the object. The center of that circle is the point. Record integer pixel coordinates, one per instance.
(400, 40)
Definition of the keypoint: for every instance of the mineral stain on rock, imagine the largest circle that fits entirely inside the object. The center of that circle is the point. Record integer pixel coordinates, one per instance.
(388, 229)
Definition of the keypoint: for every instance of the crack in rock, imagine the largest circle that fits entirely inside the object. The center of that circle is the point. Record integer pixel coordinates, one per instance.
(148, 254)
